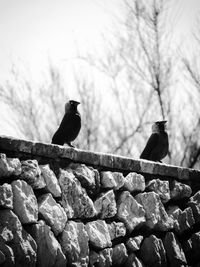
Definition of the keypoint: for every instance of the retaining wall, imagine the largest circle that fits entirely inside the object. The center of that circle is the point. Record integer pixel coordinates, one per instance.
(62, 206)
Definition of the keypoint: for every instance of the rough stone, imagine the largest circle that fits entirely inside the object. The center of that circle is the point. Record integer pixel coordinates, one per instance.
(2, 257)
(174, 251)
(133, 243)
(21, 243)
(74, 242)
(105, 258)
(31, 173)
(52, 185)
(152, 252)
(75, 200)
(134, 182)
(52, 212)
(116, 229)
(156, 216)
(191, 249)
(49, 252)
(182, 220)
(119, 255)
(133, 261)
(112, 180)
(24, 202)
(194, 203)
(7, 254)
(130, 211)
(98, 233)
(5, 169)
(161, 188)
(15, 165)
(179, 190)
(105, 205)
(6, 196)
(93, 258)
(87, 176)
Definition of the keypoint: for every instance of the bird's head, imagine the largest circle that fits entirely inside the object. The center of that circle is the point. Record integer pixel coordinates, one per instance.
(71, 105)
(159, 126)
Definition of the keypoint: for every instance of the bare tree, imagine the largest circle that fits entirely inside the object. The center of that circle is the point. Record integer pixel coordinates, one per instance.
(37, 110)
(191, 63)
(123, 91)
(139, 66)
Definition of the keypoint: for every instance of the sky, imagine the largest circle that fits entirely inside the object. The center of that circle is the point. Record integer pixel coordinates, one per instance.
(36, 32)
(32, 32)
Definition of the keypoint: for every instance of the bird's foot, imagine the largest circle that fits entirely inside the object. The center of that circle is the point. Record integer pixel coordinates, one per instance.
(69, 144)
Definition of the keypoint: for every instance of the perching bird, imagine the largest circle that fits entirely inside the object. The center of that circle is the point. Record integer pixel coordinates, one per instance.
(70, 125)
(157, 146)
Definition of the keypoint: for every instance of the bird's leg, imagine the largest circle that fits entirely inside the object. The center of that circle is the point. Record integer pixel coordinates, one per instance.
(160, 161)
(69, 144)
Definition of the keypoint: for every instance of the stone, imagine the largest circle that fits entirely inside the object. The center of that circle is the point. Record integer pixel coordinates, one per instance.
(112, 180)
(174, 251)
(6, 196)
(31, 173)
(52, 212)
(51, 181)
(161, 188)
(24, 202)
(179, 190)
(15, 165)
(87, 176)
(152, 252)
(134, 182)
(191, 249)
(133, 243)
(129, 211)
(21, 243)
(194, 203)
(98, 233)
(7, 254)
(6, 170)
(2, 257)
(74, 242)
(116, 229)
(93, 258)
(105, 258)
(156, 216)
(49, 252)
(105, 205)
(182, 220)
(133, 261)
(119, 255)
(75, 200)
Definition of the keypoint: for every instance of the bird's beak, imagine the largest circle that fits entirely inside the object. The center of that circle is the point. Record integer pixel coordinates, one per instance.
(77, 103)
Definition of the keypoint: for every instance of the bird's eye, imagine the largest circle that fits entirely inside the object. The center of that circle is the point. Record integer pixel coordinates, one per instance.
(71, 103)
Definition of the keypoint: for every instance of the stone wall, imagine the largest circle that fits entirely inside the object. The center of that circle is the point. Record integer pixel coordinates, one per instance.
(61, 206)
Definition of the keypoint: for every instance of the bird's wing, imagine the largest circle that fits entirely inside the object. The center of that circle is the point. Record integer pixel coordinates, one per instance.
(69, 126)
(69, 121)
(151, 143)
(66, 128)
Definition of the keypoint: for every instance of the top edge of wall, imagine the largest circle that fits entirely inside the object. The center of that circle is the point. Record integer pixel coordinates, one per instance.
(110, 161)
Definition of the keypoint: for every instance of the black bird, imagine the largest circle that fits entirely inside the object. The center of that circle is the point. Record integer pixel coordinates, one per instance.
(70, 125)
(157, 146)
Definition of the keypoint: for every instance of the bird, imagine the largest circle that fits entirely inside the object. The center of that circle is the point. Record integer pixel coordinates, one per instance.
(158, 144)
(70, 125)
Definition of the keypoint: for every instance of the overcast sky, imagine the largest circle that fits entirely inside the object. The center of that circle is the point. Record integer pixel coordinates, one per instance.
(32, 31)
